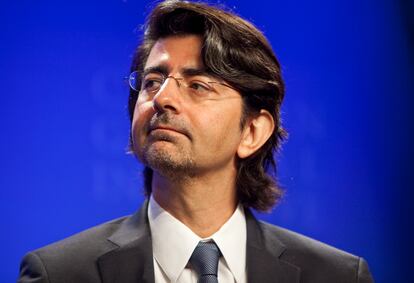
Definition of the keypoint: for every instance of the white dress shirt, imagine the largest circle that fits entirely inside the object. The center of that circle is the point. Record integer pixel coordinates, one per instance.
(173, 243)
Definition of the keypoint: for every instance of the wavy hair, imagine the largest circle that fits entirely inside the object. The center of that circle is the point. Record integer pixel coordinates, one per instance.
(236, 51)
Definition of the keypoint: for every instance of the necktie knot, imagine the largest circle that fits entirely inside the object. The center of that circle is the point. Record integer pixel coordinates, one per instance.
(204, 261)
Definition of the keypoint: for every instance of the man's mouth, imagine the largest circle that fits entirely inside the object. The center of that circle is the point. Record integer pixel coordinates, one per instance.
(164, 130)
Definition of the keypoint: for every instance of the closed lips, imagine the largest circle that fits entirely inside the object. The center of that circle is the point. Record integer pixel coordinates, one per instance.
(167, 128)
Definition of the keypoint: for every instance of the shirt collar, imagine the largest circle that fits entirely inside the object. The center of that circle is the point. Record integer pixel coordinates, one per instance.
(231, 240)
(171, 238)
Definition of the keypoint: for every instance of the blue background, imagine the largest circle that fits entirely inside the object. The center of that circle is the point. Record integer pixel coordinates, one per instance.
(348, 66)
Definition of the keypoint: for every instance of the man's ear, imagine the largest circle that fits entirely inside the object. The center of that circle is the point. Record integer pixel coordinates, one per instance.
(255, 133)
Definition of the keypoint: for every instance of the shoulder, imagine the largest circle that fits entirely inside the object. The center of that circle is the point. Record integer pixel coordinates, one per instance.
(302, 245)
(316, 260)
(92, 240)
(77, 258)
(67, 257)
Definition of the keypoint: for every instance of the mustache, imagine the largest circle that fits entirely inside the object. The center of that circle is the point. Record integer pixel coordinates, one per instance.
(166, 120)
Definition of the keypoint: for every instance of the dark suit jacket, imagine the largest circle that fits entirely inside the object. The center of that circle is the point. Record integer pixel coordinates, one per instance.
(121, 251)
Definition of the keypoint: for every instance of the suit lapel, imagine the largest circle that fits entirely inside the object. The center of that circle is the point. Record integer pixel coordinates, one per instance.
(131, 260)
(263, 256)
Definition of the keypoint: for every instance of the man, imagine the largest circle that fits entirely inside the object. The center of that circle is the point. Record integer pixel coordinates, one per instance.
(205, 100)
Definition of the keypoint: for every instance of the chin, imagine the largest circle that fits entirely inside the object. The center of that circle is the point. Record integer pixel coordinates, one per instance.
(167, 161)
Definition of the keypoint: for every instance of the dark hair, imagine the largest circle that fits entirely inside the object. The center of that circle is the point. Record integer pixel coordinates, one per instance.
(239, 53)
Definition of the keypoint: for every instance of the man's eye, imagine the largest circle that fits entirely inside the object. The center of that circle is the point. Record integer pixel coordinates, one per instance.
(151, 84)
(199, 87)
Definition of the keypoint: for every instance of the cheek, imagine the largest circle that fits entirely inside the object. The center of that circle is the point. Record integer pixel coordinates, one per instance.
(142, 113)
(142, 106)
(221, 128)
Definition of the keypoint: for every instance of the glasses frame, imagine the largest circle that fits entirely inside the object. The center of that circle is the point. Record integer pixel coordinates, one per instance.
(133, 75)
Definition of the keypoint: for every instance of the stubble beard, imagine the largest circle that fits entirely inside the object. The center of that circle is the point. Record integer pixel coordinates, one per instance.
(172, 160)
(175, 165)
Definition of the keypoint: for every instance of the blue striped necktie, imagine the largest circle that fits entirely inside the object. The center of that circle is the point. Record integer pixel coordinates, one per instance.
(204, 261)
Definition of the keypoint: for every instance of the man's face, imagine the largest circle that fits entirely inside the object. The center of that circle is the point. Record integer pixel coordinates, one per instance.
(173, 134)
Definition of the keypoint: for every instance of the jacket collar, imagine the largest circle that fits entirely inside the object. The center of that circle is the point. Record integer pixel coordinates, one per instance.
(131, 259)
(263, 255)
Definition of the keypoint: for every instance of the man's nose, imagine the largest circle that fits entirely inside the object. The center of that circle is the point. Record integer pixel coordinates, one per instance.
(168, 97)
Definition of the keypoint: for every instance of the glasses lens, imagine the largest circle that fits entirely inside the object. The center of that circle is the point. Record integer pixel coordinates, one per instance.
(134, 81)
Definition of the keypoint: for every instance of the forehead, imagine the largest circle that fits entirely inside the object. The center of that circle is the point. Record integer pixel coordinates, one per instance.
(176, 52)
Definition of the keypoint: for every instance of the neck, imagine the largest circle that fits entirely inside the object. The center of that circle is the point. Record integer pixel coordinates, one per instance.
(203, 204)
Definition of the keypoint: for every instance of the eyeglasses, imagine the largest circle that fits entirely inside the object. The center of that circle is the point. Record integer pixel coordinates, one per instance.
(196, 88)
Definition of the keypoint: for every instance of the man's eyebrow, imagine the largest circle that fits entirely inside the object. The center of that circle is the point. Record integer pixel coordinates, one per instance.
(189, 72)
(162, 69)
(185, 72)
